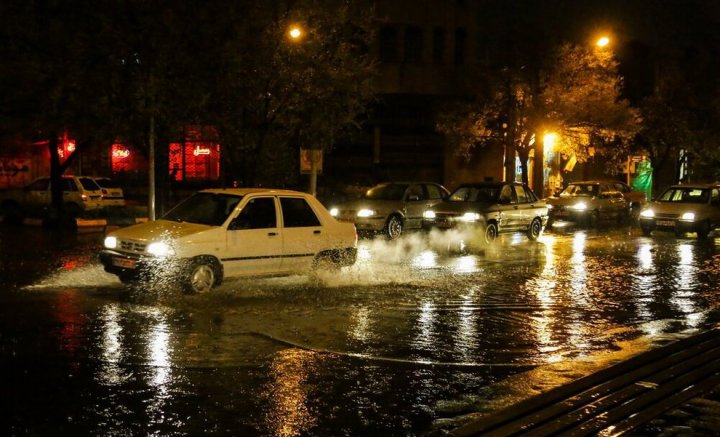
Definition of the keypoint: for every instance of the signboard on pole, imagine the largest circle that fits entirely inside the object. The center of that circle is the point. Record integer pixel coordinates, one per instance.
(307, 157)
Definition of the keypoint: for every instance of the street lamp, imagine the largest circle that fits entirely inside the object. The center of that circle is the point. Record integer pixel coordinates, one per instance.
(295, 33)
(602, 42)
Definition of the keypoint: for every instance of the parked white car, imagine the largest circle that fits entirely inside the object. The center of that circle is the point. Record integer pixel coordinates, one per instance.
(222, 233)
(79, 194)
(112, 193)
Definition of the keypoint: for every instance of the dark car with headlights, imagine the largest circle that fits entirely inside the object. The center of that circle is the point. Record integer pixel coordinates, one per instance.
(588, 203)
(488, 209)
(682, 209)
(390, 207)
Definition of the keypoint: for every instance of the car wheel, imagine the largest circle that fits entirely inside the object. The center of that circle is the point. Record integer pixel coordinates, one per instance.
(323, 266)
(201, 276)
(703, 229)
(491, 232)
(535, 229)
(393, 227)
(646, 230)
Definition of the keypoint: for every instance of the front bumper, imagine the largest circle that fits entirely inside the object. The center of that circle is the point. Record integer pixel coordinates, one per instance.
(131, 265)
(669, 224)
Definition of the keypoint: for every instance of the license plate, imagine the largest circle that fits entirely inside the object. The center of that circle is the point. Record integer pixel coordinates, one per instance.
(669, 223)
(561, 214)
(124, 263)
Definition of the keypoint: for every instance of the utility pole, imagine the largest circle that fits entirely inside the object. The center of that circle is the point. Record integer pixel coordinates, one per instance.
(151, 176)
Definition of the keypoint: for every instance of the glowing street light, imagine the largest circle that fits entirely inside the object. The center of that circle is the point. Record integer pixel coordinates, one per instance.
(602, 42)
(549, 140)
(295, 33)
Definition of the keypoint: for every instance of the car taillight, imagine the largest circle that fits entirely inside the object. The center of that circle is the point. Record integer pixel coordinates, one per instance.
(84, 197)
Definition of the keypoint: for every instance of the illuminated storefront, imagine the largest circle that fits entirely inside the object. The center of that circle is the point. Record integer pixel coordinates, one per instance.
(197, 158)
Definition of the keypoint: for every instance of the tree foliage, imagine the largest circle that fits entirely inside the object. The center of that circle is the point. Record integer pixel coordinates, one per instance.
(576, 96)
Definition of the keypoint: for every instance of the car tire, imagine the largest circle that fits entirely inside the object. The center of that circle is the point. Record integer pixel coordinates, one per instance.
(491, 232)
(646, 230)
(393, 227)
(323, 265)
(202, 275)
(703, 229)
(535, 229)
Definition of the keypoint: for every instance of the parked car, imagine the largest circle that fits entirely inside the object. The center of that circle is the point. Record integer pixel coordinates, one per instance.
(636, 200)
(589, 202)
(236, 232)
(79, 194)
(491, 208)
(112, 193)
(684, 208)
(391, 207)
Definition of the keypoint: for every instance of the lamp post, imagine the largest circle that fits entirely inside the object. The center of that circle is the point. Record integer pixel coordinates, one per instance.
(602, 42)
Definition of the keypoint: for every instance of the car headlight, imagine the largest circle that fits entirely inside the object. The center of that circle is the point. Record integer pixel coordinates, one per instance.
(470, 217)
(160, 248)
(429, 214)
(580, 206)
(334, 212)
(647, 213)
(690, 216)
(366, 213)
(111, 242)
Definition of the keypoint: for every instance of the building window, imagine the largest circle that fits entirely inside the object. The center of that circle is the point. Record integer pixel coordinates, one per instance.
(388, 45)
(460, 43)
(194, 160)
(198, 157)
(438, 45)
(413, 44)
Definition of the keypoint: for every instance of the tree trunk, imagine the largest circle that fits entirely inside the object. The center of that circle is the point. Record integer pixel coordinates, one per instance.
(509, 160)
(56, 188)
(538, 185)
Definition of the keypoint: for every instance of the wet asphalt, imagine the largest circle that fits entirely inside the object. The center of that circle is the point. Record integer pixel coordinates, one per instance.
(413, 336)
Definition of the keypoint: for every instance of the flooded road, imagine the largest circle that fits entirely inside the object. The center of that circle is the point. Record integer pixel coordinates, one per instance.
(410, 337)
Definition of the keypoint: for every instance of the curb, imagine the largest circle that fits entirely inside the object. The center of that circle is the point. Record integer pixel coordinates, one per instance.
(88, 225)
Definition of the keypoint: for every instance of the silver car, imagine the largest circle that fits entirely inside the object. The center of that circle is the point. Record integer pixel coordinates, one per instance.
(684, 208)
(390, 207)
(588, 203)
(490, 208)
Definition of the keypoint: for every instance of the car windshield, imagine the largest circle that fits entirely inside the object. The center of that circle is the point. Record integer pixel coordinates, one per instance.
(386, 192)
(204, 208)
(685, 195)
(485, 194)
(574, 190)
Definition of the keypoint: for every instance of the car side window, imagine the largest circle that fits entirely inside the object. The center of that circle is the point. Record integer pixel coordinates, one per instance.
(297, 213)
(621, 187)
(258, 213)
(68, 185)
(415, 192)
(520, 194)
(433, 192)
(715, 197)
(530, 195)
(506, 195)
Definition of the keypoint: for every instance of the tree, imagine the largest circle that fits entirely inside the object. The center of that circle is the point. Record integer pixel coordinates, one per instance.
(576, 96)
(53, 79)
(273, 95)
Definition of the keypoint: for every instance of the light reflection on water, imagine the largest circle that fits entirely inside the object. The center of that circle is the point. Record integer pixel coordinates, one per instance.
(554, 302)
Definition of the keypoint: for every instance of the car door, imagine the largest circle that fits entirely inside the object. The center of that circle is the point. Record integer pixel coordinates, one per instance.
(254, 243)
(416, 203)
(525, 206)
(510, 213)
(302, 234)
